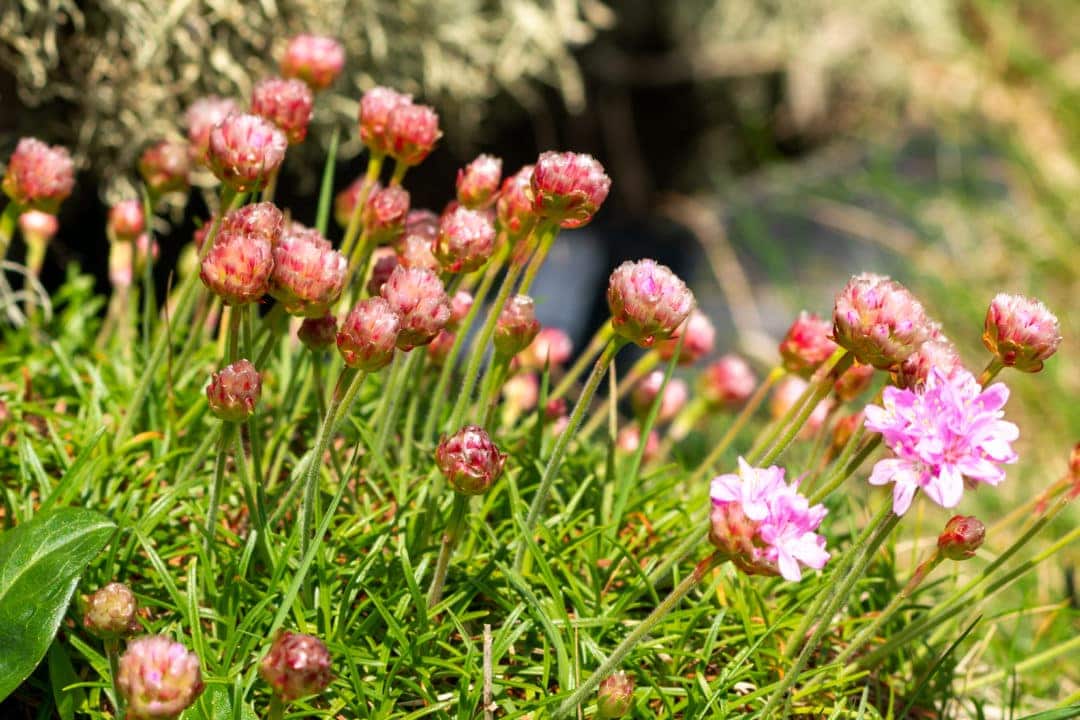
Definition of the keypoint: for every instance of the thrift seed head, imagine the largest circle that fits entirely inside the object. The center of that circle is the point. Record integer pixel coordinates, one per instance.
(110, 612)
(308, 274)
(514, 206)
(807, 344)
(288, 103)
(411, 133)
(644, 393)
(478, 182)
(568, 188)
(615, 697)
(469, 460)
(466, 240)
(297, 665)
(375, 108)
(383, 263)
(201, 117)
(648, 301)
(368, 335)
(39, 176)
(234, 391)
(126, 221)
(165, 167)
(962, 536)
(727, 383)
(516, 326)
(315, 59)
(700, 337)
(158, 678)
(245, 150)
(385, 213)
(418, 296)
(318, 333)
(1021, 332)
(879, 321)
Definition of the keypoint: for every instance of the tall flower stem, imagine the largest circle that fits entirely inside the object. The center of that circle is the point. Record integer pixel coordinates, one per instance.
(555, 461)
(546, 234)
(446, 549)
(7, 226)
(352, 230)
(214, 500)
(405, 378)
(990, 371)
(277, 708)
(587, 688)
(112, 652)
(489, 393)
(640, 369)
(596, 344)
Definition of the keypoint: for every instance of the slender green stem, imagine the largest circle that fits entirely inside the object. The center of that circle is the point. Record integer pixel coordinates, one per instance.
(640, 369)
(227, 431)
(446, 549)
(352, 230)
(845, 468)
(398, 175)
(404, 378)
(7, 226)
(277, 708)
(112, 652)
(546, 232)
(489, 395)
(596, 344)
(990, 371)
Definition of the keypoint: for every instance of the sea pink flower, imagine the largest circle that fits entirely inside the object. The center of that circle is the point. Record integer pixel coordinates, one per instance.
(297, 665)
(245, 150)
(39, 176)
(375, 108)
(940, 434)
(807, 344)
(465, 241)
(700, 338)
(159, 678)
(478, 181)
(308, 274)
(1021, 331)
(165, 166)
(568, 188)
(728, 382)
(126, 221)
(287, 103)
(368, 335)
(879, 321)
(648, 301)
(234, 392)
(418, 296)
(318, 333)
(411, 133)
(514, 207)
(385, 213)
(552, 345)
(516, 326)
(201, 117)
(469, 460)
(315, 59)
(962, 536)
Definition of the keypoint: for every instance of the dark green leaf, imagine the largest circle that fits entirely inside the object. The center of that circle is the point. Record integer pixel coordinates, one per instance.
(61, 675)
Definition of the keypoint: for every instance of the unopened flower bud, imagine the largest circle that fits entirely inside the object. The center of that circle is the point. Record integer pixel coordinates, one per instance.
(629, 440)
(728, 382)
(308, 274)
(318, 333)
(469, 460)
(466, 240)
(39, 176)
(615, 697)
(37, 226)
(411, 133)
(385, 213)
(110, 612)
(844, 428)
(384, 260)
(522, 392)
(345, 201)
(853, 382)
(787, 393)
(368, 335)
(233, 393)
(700, 337)
(238, 266)
(555, 409)
(645, 392)
(414, 251)
(418, 296)
(516, 326)
(126, 221)
(962, 536)
(315, 59)
(423, 222)
(375, 108)
(158, 678)
(478, 181)
(460, 305)
(648, 302)
(807, 344)
(879, 321)
(201, 117)
(514, 206)
(287, 103)
(165, 167)
(940, 354)
(297, 666)
(551, 346)
(262, 221)
(568, 188)
(245, 150)
(439, 348)
(1021, 332)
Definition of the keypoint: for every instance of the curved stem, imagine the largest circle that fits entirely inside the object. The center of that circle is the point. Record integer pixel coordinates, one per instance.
(227, 431)
(990, 372)
(640, 369)
(112, 652)
(446, 549)
(596, 344)
(7, 226)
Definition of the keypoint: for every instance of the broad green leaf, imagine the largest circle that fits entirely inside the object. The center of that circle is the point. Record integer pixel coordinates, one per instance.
(40, 565)
(1064, 713)
(62, 675)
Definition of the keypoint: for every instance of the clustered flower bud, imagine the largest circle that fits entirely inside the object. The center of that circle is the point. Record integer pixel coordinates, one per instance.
(297, 665)
(158, 678)
(700, 337)
(308, 274)
(727, 383)
(516, 326)
(422, 222)
(126, 221)
(522, 392)
(418, 296)
(1021, 332)
(238, 266)
(288, 103)
(165, 166)
(648, 302)
(551, 346)
(368, 335)
(879, 321)
(385, 213)
(962, 536)
(375, 108)
(568, 188)
(674, 399)
(629, 440)
(234, 391)
(469, 460)
(345, 201)
(615, 697)
(478, 182)
(384, 260)
(514, 207)
(465, 241)
(315, 59)
(414, 251)
(807, 344)
(318, 333)
(110, 612)
(39, 176)
(201, 117)
(411, 133)
(38, 226)
(244, 151)
(940, 354)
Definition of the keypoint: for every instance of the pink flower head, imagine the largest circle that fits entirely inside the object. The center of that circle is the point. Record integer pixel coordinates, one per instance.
(629, 440)
(262, 221)
(764, 525)
(700, 337)
(411, 133)
(422, 222)
(940, 354)
(962, 536)
(165, 166)
(551, 345)
(514, 207)
(375, 108)
(1021, 332)
(158, 678)
(853, 382)
(879, 321)
(126, 221)
(469, 460)
(308, 274)
(369, 334)
(315, 59)
(674, 399)
(237, 268)
(384, 260)
(418, 296)
(345, 201)
(728, 382)
(38, 226)
(947, 430)
(110, 612)
(39, 176)
(522, 392)
(615, 696)
(287, 103)
(478, 181)
(787, 393)
(385, 213)
(466, 240)
(297, 665)
(516, 326)
(568, 188)
(414, 251)
(201, 117)
(460, 305)
(318, 333)
(245, 150)
(648, 302)
(439, 348)
(807, 344)
(233, 393)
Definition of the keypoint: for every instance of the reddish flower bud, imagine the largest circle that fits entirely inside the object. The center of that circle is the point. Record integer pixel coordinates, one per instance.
(308, 274)
(262, 221)
(514, 206)
(420, 299)
(700, 337)
(110, 612)
(368, 335)
(648, 302)
(286, 103)
(940, 354)
(126, 221)
(787, 393)
(238, 266)
(315, 59)
(727, 382)
(469, 460)
(244, 151)
(233, 393)
(555, 409)
(644, 393)
(385, 212)
(615, 697)
(478, 181)
(297, 665)
(439, 348)
(1021, 332)
(383, 263)
(318, 333)
(201, 117)
(629, 440)
(422, 222)
(466, 240)
(165, 167)
(516, 326)
(568, 188)
(879, 321)
(39, 177)
(375, 108)
(158, 678)
(345, 201)
(414, 251)
(807, 344)
(522, 392)
(962, 536)
(38, 226)
(460, 305)
(853, 382)
(411, 133)
(551, 345)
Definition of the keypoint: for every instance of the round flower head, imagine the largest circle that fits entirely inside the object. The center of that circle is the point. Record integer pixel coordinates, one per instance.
(516, 326)
(648, 302)
(237, 268)
(375, 108)
(962, 536)
(940, 434)
(568, 188)
(853, 382)
(728, 382)
(368, 335)
(629, 440)
(233, 393)
(318, 333)
(460, 305)
(345, 201)
(287, 103)
(939, 354)
(262, 221)
(165, 167)
(158, 678)
(551, 346)
(514, 206)
(478, 181)
(201, 117)
(787, 393)
(422, 222)
(297, 665)
(418, 296)
(615, 697)
(807, 344)
(1021, 332)
(385, 212)
(308, 274)
(110, 612)
(469, 460)
(126, 221)
(465, 241)
(522, 392)
(244, 151)
(700, 337)
(384, 260)
(411, 133)
(879, 321)
(674, 399)
(439, 348)
(763, 525)
(414, 251)
(37, 226)
(39, 177)
(315, 59)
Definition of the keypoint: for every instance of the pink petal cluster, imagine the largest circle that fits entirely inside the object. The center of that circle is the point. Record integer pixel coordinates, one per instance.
(368, 335)
(411, 133)
(879, 321)
(159, 678)
(1021, 331)
(419, 298)
(727, 382)
(39, 176)
(478, 181)
(514, 207)
(947, 431)
(315, 59)
(552, 345)
(807, 344)
(165, 166)
(288, 103)
(568, 188)
(764, 525)
(234, 392)
(375, 108)
(700, 339)
(201, 117)
(516, 326)
(385, 213)
(465, 241)
(308, 274)
(245, 150)
(648, 301)
(469, 460)
(297, 665)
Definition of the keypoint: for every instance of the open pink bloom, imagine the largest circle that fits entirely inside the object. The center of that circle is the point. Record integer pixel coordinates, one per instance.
(764, 525)
(945, 432)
